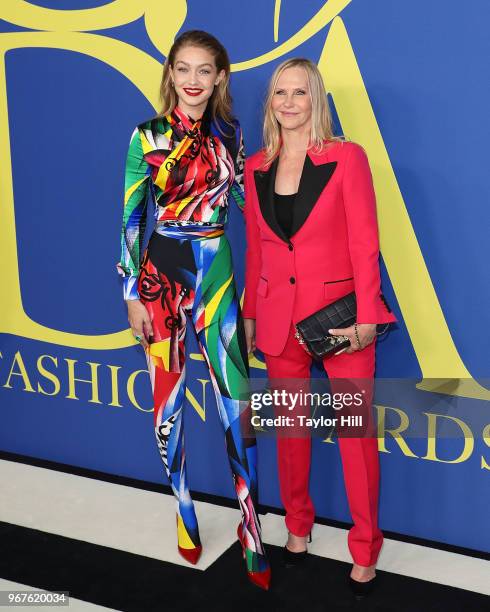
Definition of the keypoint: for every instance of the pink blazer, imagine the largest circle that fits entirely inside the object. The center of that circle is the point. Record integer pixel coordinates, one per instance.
(332, 251)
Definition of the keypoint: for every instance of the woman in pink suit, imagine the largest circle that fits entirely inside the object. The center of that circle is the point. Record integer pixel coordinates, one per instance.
(312, 238)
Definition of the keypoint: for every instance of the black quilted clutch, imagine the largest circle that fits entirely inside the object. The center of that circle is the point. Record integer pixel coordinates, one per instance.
(312, 332)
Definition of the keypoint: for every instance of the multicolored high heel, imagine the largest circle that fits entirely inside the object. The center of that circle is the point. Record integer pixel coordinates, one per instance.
(187, 548)
(258, 568)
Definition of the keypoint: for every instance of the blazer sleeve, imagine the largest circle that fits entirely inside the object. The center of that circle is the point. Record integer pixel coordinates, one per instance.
(136, 185)
(362, 227)
(253, 258)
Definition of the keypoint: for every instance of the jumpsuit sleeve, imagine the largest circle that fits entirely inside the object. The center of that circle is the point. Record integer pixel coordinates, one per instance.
(237, 189)
(136, 183)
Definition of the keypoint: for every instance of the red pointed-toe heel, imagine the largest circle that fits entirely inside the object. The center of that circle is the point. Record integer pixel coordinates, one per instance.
(191, 555)
(260, 578)
(191, 550)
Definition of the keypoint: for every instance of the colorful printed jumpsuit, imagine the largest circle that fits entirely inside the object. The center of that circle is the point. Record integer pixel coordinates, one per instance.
(186, 172)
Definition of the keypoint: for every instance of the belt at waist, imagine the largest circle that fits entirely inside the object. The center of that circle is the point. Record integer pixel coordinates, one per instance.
(189, 230)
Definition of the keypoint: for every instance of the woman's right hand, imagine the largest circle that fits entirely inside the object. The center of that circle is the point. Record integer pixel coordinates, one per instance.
(139, 320)
(250, 334)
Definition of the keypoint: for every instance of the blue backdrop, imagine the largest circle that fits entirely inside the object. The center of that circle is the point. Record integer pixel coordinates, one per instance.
(68, 109)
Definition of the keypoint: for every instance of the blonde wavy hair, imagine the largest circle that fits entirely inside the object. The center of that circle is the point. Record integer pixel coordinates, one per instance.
(220, 102)
(321, 118)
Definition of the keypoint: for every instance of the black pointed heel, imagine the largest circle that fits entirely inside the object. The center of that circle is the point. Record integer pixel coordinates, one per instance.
(293, 559)
(361, 589)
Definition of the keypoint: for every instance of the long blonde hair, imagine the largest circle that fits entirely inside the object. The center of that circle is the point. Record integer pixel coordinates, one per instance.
(321, 118)
(220, 103)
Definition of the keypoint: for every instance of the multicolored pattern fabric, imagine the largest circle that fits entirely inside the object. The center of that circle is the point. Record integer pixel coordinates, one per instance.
(177, 169)
(198, 287)
(192, 231)
(190, 174)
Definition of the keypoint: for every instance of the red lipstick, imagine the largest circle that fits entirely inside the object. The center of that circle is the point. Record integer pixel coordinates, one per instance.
(193, 91)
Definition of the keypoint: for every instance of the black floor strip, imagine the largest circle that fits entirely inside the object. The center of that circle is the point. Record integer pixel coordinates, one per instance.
(224, 501)
(128, 582)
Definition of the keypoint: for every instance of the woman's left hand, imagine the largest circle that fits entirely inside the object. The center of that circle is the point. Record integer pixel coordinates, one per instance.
(365, 331)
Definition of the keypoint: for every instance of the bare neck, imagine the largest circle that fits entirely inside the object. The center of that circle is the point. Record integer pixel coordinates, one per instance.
(295, 143)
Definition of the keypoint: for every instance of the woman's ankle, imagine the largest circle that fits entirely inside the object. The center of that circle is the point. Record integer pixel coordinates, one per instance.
(363, 573)
(296, 543)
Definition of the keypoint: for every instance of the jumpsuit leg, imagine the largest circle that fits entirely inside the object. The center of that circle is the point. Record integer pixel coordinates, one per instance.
(167, 301)
(219, 328)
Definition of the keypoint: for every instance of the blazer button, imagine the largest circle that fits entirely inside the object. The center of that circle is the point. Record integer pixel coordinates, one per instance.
(290, 247)
(292, 280)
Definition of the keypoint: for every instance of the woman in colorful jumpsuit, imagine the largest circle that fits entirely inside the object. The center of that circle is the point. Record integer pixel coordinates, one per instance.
(187, 164)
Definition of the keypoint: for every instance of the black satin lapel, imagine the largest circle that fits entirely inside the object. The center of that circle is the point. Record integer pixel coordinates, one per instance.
(265, 182)
(313, 181)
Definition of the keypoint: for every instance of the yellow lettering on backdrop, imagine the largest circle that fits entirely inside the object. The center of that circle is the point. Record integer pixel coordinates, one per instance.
(162, 22)
(201, 410)
(137, 66)
(130, 390)
(323, 17)
(395, 433)
(115, 386)
(144, 72)
(486, 439)
(48, 375)
(93, 381)
(437, 355)
(469, 441)
(19, 362)
(110, 15)
(277, 12)
(436, 352)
